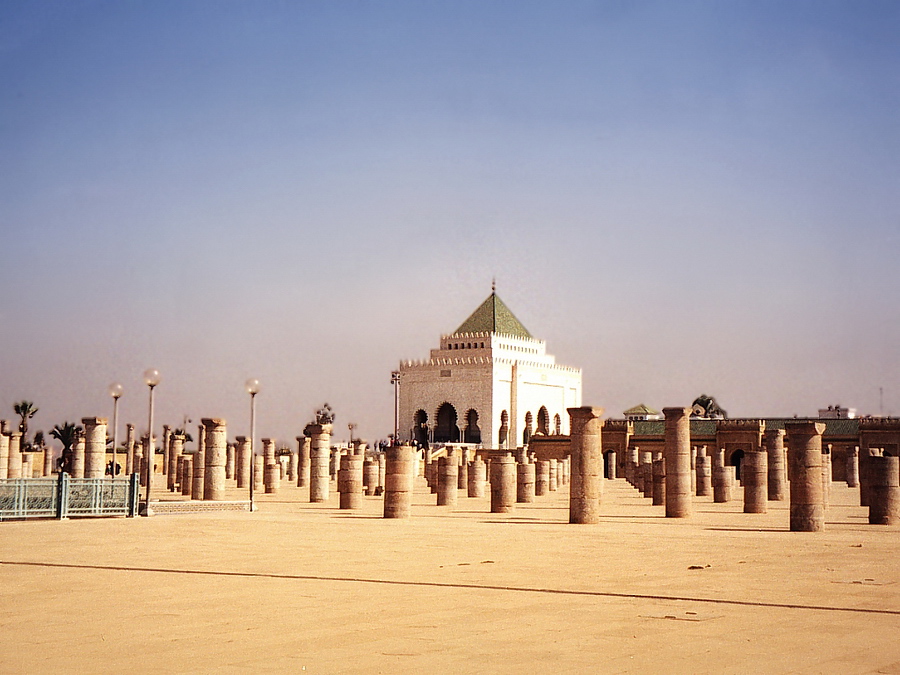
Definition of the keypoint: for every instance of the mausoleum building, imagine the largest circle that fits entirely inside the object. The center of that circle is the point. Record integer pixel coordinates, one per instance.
(490, 382)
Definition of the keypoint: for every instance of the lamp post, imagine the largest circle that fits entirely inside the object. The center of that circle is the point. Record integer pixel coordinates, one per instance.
(351, 427)
(395, 380)
(151, 379)
(115, 390)
(252, 386)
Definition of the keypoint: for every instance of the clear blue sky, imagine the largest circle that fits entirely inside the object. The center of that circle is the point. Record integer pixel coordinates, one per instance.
(680, 197)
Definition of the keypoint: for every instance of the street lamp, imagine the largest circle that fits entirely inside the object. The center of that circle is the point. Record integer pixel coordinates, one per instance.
(351, 427)
(151, 379)
(395, 380)
(115, 390)
(252, 386)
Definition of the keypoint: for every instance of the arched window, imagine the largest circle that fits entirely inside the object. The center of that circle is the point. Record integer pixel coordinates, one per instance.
(543, 421)
(504, 428)
(526, 434)
(420, 428)
(445, 430)
(557, 424)
(472, 432)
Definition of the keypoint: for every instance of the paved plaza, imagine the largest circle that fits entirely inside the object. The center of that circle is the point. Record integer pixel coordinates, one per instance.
(300, 587)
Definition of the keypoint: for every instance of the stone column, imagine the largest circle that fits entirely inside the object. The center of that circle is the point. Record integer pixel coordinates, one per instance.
(198, 481)
(27, 469)
(852, 467)
(129, 449)
(271, 471)
(542, 478)
(319, 459)
(631, 462)
(884, 490)
(754, 473)
(48, 461)
(477, 477)
(77, 453)
(230, 461)
(259, 473)
(462, 481)
(398, 481)
(187, 476)
(694, 453)
(503, 484)
(865, 455)
(553, 476)
(678, 462)
(292, 468)
(723, 479)
(165, 445)
(644, 474)
(805, 456)
(704, 475)
(448, 479)
(586, 456)
(370, 476)
(659, 482)
(349, 482)
(303, 446)
(214, 457)
(773, 441)
(382, 471)
(176, 452)
(242, 459)
(826, 476)
(525, 482)
(4, 455)
(14, 469)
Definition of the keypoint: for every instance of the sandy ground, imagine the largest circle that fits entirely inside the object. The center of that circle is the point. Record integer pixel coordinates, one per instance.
(299, 587)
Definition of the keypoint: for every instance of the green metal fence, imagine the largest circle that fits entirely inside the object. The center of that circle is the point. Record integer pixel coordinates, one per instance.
(65, 496)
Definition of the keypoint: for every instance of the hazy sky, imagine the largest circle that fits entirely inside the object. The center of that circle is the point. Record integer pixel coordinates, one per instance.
(679, 197)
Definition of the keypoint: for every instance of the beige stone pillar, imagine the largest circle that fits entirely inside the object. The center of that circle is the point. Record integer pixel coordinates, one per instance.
(292, 468)
(14, 469)
(4, 455)
(303, 465)
(884, 490)
(370, 476)
(586, 463)
(398, 481)
(129, 450)
(477, 477)
(632, 459)
(187, 475)
(704, 475)
(271, 472)
(773, 442)
(176, 451)
(319, 459)
(865, 454)
(826, 476)
(462, 478)
(259, 473)
(382, 472)
(525, 482)
(723, 479)
(678, 462)
(48, 461)
(503, 484)
(448, 479)
(659, 482)
(805, 456)
(27, 469)
(553, 475)
(694, 453)
(214, 458)
(230, 461)
(165, 444)
(350, 480)
(198, 482)
(853, 467)
(77, 465)
(542, 478)
(755, 475)
(242, 459)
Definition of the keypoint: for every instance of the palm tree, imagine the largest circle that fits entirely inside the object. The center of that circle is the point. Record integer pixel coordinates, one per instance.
(67, 434)
(25, 410)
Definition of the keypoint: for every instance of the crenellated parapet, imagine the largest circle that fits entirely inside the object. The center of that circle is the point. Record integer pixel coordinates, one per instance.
(891, 424)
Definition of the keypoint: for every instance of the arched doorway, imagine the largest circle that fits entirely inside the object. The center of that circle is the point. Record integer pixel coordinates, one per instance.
(557, 425)
(735, 461)
(472, 433)
(445, 429)
(543, 421)
(526, 434)
(420, 429)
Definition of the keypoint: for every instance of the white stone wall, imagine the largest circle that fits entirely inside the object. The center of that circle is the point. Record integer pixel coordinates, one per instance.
(508, 373)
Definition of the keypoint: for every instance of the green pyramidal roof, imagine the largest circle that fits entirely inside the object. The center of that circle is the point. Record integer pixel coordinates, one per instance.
(493, 316)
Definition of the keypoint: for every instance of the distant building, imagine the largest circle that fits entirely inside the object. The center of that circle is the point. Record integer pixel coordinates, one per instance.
(490, 382)
(640, 413)
(836, 412)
